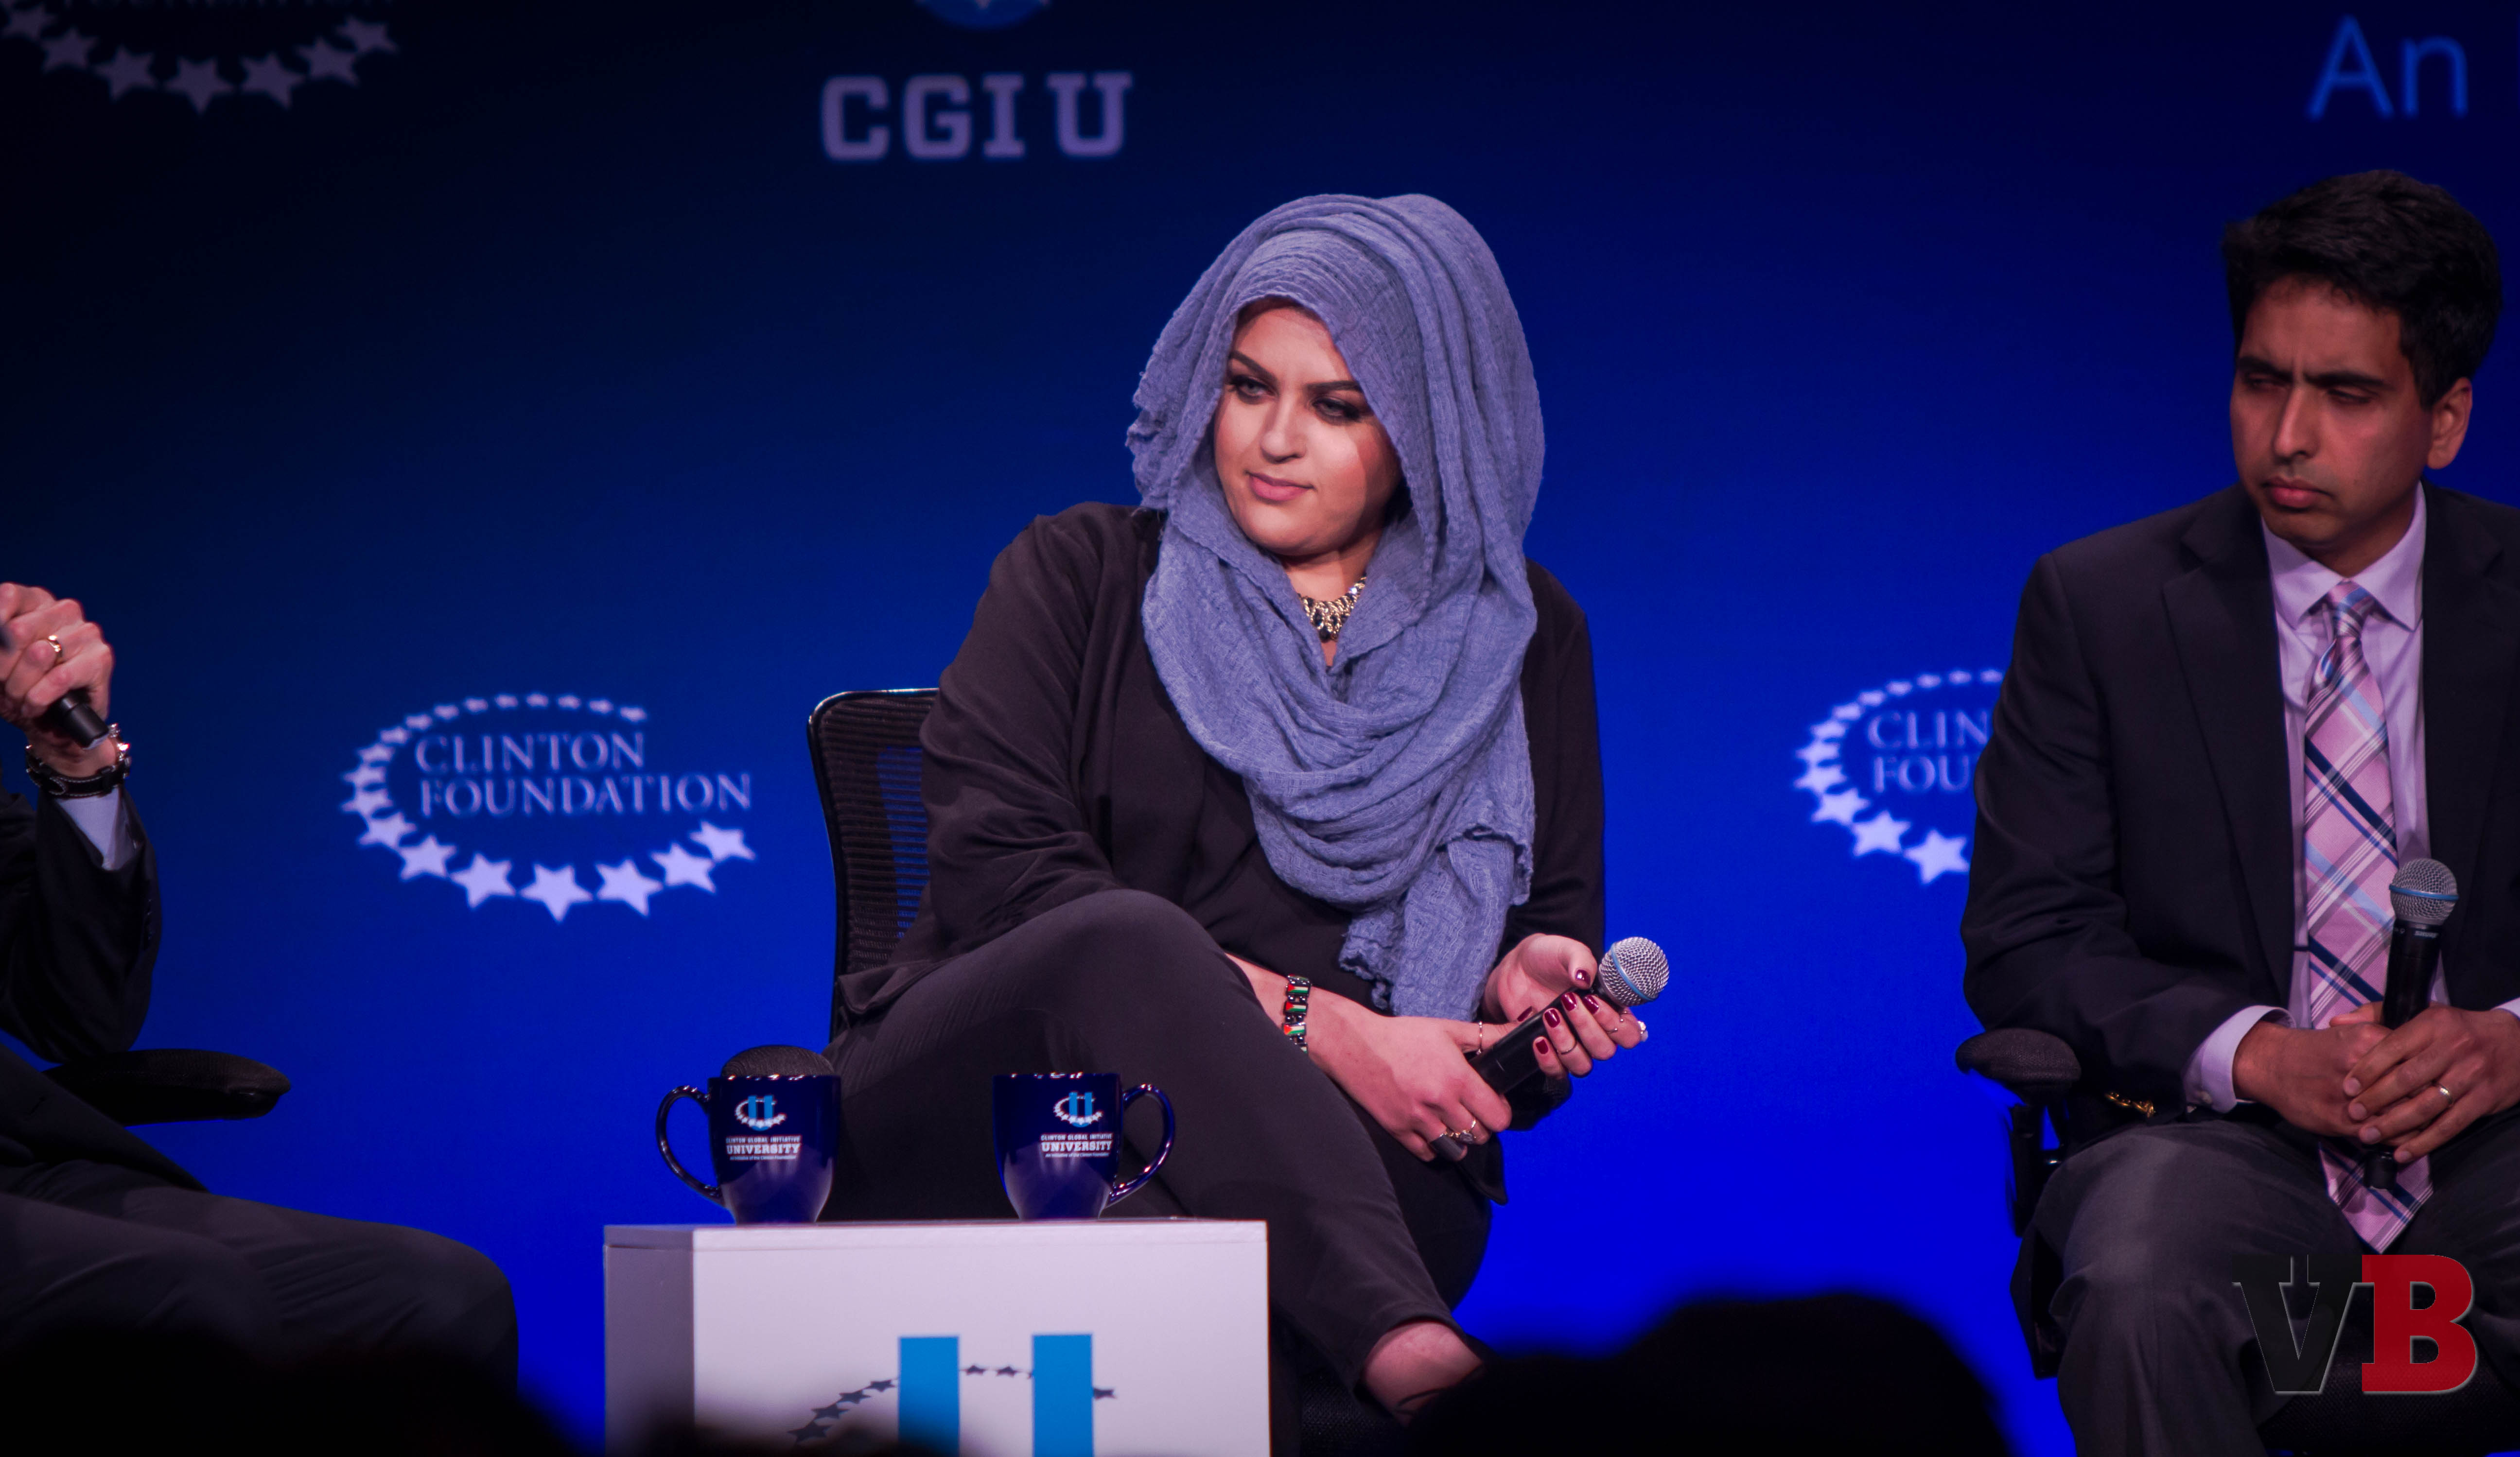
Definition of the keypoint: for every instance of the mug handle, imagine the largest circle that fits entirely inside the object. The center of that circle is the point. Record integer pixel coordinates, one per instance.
(711, 1191)
(1158, 1162)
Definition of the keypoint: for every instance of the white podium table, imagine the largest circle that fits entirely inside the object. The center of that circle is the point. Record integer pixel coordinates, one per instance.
(1124, 1338)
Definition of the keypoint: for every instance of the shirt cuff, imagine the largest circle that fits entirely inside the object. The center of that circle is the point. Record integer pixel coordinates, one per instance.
(2208, 1081)
(100, 818)
(2512, 1006)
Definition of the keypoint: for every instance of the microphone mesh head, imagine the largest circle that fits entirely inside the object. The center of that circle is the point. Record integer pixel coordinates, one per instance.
(1634, 971)
(2424, 893)
(776, 1061)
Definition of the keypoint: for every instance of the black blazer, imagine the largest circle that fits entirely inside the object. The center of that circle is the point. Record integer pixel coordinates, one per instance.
(2131, 883)
(76, 944)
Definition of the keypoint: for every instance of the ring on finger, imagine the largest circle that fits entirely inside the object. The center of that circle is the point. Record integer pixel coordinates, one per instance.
(59, 652)
(2445, 1093)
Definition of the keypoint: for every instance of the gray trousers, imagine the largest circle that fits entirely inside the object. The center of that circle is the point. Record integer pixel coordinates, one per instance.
(2159, 1356)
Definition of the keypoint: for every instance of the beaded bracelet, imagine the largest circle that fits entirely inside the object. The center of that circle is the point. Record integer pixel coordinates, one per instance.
(1299, 997)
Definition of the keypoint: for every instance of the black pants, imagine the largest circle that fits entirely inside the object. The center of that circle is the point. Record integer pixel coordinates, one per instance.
(95, 1249)
(2159, 1356)
(1362, 1235)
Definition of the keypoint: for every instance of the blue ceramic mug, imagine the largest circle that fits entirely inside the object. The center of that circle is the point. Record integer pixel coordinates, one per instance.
(1059, 1141)
(771, 1141)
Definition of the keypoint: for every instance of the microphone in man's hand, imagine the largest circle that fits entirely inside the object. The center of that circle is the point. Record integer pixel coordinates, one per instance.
(1633, 972)
(2422, 896)
(74, 720)
(69, 716)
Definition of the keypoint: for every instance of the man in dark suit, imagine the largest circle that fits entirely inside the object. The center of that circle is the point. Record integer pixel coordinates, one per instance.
(2223, 730)
(99, 1232)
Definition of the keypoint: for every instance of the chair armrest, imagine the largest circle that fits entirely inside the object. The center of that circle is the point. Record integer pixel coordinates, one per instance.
(2036, 1066)
(172, 1086)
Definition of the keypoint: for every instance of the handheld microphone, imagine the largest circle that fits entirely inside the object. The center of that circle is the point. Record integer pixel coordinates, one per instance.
(1633, 972)
(777, 1060)
(2422, 896)
(73, 719)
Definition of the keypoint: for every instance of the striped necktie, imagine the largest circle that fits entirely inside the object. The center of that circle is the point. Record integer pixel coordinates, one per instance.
(2349, 849)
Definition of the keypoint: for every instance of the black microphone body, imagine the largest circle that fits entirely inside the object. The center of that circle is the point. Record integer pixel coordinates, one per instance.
(2421, 898)
(2414, 954)
(73, 718)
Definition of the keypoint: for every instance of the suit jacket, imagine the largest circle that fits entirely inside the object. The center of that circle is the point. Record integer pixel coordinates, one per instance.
(2131, 886)
(77, 945)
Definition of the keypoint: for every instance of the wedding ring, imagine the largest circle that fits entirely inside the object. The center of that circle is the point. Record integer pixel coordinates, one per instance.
(58, 653)
(2445, 1093)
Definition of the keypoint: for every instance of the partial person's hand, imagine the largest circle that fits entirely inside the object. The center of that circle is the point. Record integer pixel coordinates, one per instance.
(1535, 973)
(1557, 973)
(2425, 1081)
(1410, 1073)
(2300, 1074)
(48, 647)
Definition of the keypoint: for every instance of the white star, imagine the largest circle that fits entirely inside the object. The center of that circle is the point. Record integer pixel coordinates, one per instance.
(635, 714)
(1814, 754)
(1846, 713)
(624, 883)
(398, 733)
(373, 753)
(1872, 699)
(482, 879)
(427, 858)
(366, 800)
(558, 890)
(1939, 853)
(723, 844)
(1820, 777)
(28, 23)
(365, 775)
(682, 867)
(1831, 730)
(364, 36)
(265, 73)
(68, 48)
(1840, 808)
(197, 81)
(387, 831)
(1880, 832)
(127, 72)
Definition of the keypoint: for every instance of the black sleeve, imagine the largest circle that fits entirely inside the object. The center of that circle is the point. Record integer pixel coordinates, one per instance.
(77, 940)
(1007, 840)
(2046, 924)
(1560, 716)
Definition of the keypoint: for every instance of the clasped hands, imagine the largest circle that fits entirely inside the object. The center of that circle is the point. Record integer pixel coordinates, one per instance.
(2357, 1078)
(48, 647)
(1412, 1074)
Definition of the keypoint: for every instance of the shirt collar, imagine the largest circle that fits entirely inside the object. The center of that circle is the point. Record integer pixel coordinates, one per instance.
(2396, 579)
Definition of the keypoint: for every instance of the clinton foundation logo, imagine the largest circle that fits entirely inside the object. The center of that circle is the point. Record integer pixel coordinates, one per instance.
(1892, 767)
(504, 797)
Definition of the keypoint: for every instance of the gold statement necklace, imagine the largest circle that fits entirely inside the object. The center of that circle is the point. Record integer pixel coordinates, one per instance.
(1330, 614)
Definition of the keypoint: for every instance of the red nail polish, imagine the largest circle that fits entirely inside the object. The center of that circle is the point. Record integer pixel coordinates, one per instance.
(1582, 977)
(1567, 1000)
(1551, 1017)
(1590, 1005)
(1539, 1044)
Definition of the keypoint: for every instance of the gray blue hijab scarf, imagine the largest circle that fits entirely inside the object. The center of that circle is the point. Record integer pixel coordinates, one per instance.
(1397, 783)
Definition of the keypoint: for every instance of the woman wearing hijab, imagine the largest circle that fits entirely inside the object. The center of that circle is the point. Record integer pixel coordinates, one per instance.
(1281, 792)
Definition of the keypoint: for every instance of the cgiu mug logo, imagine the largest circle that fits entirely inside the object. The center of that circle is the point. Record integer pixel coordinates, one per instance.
(2300, 1368)
(1076, 1109)
(251, 55)
(543, 781)
(758, 1112)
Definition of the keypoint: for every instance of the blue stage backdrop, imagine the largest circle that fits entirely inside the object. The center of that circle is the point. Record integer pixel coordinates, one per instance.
(429, 397)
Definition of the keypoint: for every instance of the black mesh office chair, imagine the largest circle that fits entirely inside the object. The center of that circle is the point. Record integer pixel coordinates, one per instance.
(864, 747)
(2056, 1110)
